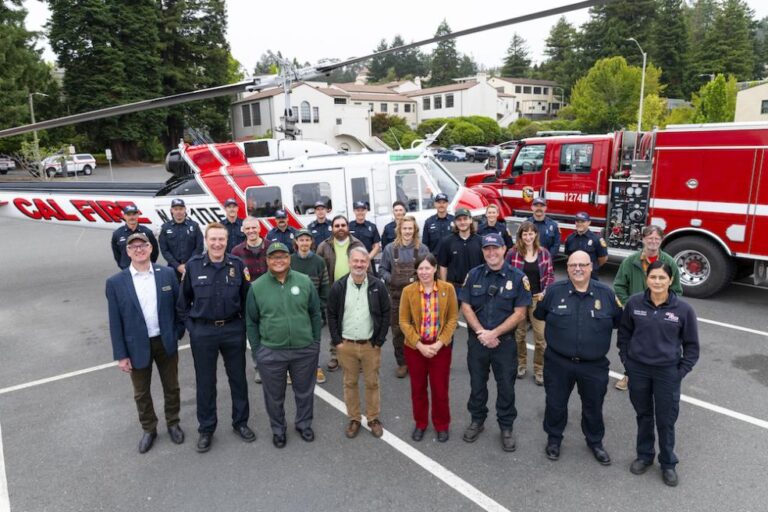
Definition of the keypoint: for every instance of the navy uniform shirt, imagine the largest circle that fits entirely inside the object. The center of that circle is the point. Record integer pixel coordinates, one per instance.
(388, 235)
(459, 256)
(579, 324)
(180, 241)
(366, 233)
(285, 237)
(120, 238)
(321, 231)
(213, 291)
(663, 335)
(549, 234)
(235, 235)
(590, 243)
(494, 294)
(435, 230)
(500, 228)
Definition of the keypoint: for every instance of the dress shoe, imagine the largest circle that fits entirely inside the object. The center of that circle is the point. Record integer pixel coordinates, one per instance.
(307, 434)
(521, 372)
(417, 434)
(177, 435)
(256, 376)
(145, 444)
(508, 440)
(352, 429)
(402, 371)
(639, 466)
(245, 433)
(278, 440)
(552, 451)
(473, 432)
(204, 442)
(669, 476)
(442, 436)
(377, 430)
(601, 455)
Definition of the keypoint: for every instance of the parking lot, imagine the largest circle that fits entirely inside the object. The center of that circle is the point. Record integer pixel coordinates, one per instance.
(68, 426)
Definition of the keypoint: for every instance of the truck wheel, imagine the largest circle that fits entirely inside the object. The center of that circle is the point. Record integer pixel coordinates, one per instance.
(704, 268)
(51, 172)
(87, 170)
(4, 172)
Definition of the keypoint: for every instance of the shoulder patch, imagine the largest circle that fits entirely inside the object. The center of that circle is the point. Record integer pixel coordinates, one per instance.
(526, 283)
(247, 274)
(602, 243)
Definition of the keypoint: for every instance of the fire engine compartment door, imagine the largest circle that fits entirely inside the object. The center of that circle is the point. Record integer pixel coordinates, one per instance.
(529, 171)
(758, 207)
(579, 180)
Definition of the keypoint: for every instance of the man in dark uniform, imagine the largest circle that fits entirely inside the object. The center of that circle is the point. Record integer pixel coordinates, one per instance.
(549, 231)
(212, 300)
(494, 300)
(282, 233)
(180, 238)
(438, 226)
(120, 236)
(388, 235)
(580, 314)
(233, 224)
(320, 227)
(460, 252)
(365, 230)
(585, 240)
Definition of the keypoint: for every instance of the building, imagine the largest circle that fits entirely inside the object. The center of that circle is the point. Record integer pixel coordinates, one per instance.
(383, 99)
(469, 97)
(534, 99)
(752, 103)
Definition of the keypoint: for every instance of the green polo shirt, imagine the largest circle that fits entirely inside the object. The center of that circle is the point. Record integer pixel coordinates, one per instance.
(342, 259)
(356, 323)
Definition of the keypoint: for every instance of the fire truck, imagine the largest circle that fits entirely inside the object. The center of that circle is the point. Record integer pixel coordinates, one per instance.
(706, 185)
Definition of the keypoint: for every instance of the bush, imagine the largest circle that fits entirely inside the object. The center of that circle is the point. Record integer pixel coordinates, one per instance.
(491, 129)
(467, 134)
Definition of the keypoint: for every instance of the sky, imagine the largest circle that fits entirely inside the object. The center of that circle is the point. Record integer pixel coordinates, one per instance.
(310, 30)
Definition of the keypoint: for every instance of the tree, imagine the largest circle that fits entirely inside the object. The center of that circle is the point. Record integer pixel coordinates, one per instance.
(269, 63)
(699, 18)
(445, 60)
(467, 134)
(610, 24)
(607, 97)
(729, 45)
(378, 66)
(516, 63)
(716, 101)
(670, 46)
(561, 65)
(467, 66)
(408, 63)
(381, 123)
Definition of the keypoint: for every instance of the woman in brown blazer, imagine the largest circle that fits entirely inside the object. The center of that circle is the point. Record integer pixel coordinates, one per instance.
(428, 316)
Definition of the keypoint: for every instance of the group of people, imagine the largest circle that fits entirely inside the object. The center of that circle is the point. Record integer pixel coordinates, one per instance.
(278, 292)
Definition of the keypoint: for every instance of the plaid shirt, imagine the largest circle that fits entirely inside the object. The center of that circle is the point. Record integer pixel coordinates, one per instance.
(430, 323)
(546, 271)
(254, 259)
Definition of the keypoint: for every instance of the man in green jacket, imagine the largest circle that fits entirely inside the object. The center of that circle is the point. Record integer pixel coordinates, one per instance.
(283, 323)
(630, 279)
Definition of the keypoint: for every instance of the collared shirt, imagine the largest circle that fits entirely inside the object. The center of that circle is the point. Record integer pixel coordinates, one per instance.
(459, 255)
(285, 237)
(146, 291)
(342, 259)
(120, 239)
(366, 233)
(494, 294)
(180, 241)
(436, 228)
(254, 257)
(549, 234)
(589, 242)
(320, 231)
(430, 320)
(213, 290)
(235, 235)
(388, 235)
(356, 323)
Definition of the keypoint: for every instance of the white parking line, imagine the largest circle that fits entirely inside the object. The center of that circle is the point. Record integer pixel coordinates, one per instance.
(454, 481)
(734, 327)
(5, 502)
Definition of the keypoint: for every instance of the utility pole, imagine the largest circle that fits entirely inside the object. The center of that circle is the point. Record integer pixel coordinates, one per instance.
(36, 142)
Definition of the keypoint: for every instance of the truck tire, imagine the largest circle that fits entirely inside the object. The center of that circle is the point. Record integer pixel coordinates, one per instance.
(87, 170)
(704, 268)
(51, 172)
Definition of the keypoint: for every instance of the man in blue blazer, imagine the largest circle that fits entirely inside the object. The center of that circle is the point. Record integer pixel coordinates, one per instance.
(144, 328)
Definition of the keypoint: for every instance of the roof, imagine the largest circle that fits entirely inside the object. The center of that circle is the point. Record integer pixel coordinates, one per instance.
(373, 89)
(526, 81)
(442, 88)
(381, 97)
(268, 93)
(330, 91)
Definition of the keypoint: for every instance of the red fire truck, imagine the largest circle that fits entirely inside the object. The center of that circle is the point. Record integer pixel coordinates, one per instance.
(705, 185)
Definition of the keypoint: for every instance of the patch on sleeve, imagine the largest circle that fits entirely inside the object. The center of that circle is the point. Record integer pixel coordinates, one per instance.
(246, 274)
(603, 244)
(526, 284)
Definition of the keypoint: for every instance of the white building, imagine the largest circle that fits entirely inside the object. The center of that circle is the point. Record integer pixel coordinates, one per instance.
(752, 104)
(468, 98)
(383, 99)
(534, 99)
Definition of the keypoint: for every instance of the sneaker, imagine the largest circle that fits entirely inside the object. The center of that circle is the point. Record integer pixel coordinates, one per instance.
(521, 372)
(256, 376)
(333, 364)
(401, 372)
(623, 384)
(320, 376)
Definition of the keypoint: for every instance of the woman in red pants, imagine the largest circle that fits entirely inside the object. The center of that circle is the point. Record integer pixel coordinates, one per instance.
(428, 316)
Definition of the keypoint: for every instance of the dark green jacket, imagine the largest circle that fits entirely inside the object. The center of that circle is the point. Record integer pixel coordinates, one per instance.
(283, 315)
(313, 266)
(630, 279)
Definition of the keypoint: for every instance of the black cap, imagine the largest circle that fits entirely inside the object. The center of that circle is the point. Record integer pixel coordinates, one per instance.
(177, 202)
(320, 204)
(131, 208)
(280, 214)
(582, 216)
(230, 201)
(441, 197)
(360, 204)
(493, 239)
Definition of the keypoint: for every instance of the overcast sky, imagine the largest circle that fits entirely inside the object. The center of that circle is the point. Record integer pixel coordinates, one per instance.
(312, 30)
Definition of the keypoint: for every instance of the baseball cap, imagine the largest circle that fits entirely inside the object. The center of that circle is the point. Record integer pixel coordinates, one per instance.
(277, 247)
(493, 239)
(131, 208)
(462, 212)
(582, 216)
(304, 231)
(441, 197)
(360, 204)
(540, 200)
(177, 202)
(137, 236)
(280, 214)
(230, 201)
(320, 204)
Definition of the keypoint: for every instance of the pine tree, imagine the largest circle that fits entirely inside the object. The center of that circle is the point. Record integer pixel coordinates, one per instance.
(700, 18)
(561, 64)
(467, 66)
(378, 66)
(516, 63)
(728, 46)
(609, 27)
(670, 46)
(445, 60)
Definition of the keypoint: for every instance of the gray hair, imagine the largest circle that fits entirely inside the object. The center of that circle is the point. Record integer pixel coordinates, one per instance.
(361, 249)
(649, 230)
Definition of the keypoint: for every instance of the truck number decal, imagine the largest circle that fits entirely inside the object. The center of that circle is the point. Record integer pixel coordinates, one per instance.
(572, 197)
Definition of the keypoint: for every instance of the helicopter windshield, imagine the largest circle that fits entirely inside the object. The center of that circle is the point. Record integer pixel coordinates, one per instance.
(443, 179)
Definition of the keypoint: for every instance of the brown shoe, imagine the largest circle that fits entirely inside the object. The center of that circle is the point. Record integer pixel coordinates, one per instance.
(538, 378)
(352, 429)
(401, 372)
(377, 430)
(623, 384)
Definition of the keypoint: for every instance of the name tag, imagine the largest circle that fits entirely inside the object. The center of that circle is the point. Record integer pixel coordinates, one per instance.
(562, 306)
(640, 312)
(166, 288)
(202, 277)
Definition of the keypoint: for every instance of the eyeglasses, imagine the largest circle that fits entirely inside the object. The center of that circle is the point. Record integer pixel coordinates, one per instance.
(578, 265)
(339, 225)
(136, 247)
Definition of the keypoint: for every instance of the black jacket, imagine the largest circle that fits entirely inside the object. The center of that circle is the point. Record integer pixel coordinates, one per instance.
(379, 305)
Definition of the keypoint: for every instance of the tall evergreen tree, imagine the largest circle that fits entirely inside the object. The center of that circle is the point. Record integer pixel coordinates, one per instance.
(378, 66)
(445, 59)
(517, 63)
(669, 47)
(561, 64)
(700, 18)
(408, 63)
(610, 24)
(467, 66)
(728, 46)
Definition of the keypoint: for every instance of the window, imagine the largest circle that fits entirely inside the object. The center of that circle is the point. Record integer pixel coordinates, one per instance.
(537, 90)
(338, 121)
(306, 194)
(407, 107)
(263, 201)
(576, 158)
(527, 89)
(246, 115)
(396, 107)
(340, 101)
(256, 113)
(315, 114)
(555, 106)
(529, 159)
(545, 90)
(305, 112)
(256, 148)
(370, 107)
(438, 102)
(500, 90)
(426, 105)
(518, 89)
(442, 178)
(295, 113)
(383, 107)
(360, 190)
(764, 107)
(543, 108)
(449, 101)
(413, 190)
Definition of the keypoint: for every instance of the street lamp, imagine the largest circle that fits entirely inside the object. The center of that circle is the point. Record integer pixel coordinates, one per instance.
(34, 132)
(642, 90)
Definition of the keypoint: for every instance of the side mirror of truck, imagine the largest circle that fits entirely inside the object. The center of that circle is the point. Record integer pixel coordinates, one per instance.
(509, 181)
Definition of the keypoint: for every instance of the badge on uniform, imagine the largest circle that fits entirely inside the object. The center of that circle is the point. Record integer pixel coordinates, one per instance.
(247, 274)
(598, 305)
(295, 290)
(589, 243)
(166, 288)
(526, 284)
(508, 286)
(232, 272)
(602, 242)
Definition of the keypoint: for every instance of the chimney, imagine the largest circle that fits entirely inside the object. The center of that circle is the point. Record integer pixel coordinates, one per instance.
(482, 78)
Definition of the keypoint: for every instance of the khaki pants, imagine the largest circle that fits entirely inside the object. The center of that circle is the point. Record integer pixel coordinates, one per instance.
(538, 338)
(352, 356)
(168, 368)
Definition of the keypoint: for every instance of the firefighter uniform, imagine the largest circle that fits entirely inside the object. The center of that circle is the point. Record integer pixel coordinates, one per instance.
(592, 244)
(365, 232)
(500, 228)
(119, 242)
(435, 230)
(180, 241)
(578, 333)
(284, 237)
(388, 235)
(549, 234)
(320, 231)
(235, 235)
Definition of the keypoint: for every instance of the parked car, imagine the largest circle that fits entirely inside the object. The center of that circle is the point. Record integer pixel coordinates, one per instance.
(83, 163)
(6, 164)
(447, 155)
(480, 153)
(462, 152)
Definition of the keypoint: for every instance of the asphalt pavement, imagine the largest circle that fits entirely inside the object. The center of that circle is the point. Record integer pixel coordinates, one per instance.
(70, 431)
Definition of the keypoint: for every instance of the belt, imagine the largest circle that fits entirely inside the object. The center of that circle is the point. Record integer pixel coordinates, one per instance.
(575, 359)
(359, 342)
(219, 323)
